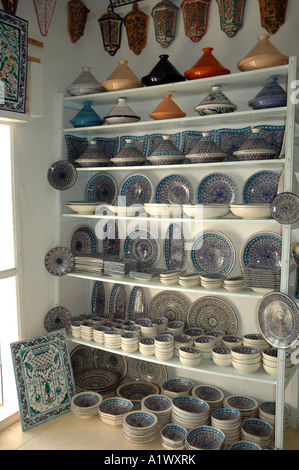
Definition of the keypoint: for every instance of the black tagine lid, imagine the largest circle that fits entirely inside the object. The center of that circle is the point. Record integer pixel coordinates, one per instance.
(163, 72)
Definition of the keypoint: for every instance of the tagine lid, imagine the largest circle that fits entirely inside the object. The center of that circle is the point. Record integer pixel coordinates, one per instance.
(164, 72)
(264, 54)
(206, 66)
(123, 74)
(167, 109)
(256, 143)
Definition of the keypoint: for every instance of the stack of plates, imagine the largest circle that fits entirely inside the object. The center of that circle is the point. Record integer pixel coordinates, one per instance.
(129, 341)
(246, 359)
(190, 412)
(160, 406)
(146, 273)
(93, 263)
(261, 278)
(120, 266)
(247, 406)
(147, 346)
(86, 329)
(205, 438)
(173, 437)
(229, 421)
(212, 395)
(233, 283)
(189, 280)
(136, 391)
(212, 281)
(98, 333)
(139, 427)
(85, 404)
(181, 341)
(101, 381)
(258, 431)
(177, 387)
(112, 410)
(267, 414)
(164, 346)
(112, 339)
(269, 359)
(171, 277)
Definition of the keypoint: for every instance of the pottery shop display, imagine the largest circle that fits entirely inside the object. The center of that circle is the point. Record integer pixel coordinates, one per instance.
(87, 117)
(195, 16)
(123, 78)
(121, 113)
(206, 66)
(206, 151)
(263, 55)
(231, 15)
(128, 155)
(273, 14)
(85, 84)
(163, 72)
(271, 95)
(166, 153)
(136, 26)
(165, 15)
(255, 147)
(92, 156)
(167, 109)
(215, 103)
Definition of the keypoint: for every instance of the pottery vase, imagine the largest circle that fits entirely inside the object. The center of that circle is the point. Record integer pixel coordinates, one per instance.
(215, 103)
(85, 84)
(77, 17)
(167, 109)
(136, 26)
(87, 117)
(231, 15)
(206, 66)
(195, 16)
(263, 55)
(122, 78)
(166, 153)
(165, 15)
(128, 155)
(121, 113)
(271, 96)
(92, 156)
(273, 14)
(111, 28)
(163, 72)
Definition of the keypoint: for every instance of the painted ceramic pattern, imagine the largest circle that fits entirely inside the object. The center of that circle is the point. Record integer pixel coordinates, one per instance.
(140, 245)
(195, 15)
(212, 313)
(111, 241)
(75, 146)
(217, 188)
(112, 362)
(261, 187)
(206, 437)
(156, 139)
(273, 13)
(169, 304)
(137, 304)
(263, 249)
(62, 175)
(285, 208)
(59, 261)
(175, 254)
(231, 140)
(165, 18)
(101, 188)
(137, 189)
(147, 371)
(140, 142)
(98, 301)
(83, 241)
(118, 302)
(231, 15)
(174, 189)
(135, 23)
(57, 318)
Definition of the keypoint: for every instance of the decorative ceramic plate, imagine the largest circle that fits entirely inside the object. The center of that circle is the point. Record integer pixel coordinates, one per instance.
(62, 175)
(102, 188)
(98, 301)
(217, 188)
(262, 248)
(136, 189)
(111, 242)
(285, 208)
(96, 380)
(174, 248)
(118, 302)
(83, 241)
(57, 318)
(261, 187)
(114, 362)
(59, 261)
(148, 371)
(82, 358)
(174, 189)
(212, 313)
(137, 304)
(140, 245)
(75, 146)
(278, 319)
(211, 252)
(169, 304)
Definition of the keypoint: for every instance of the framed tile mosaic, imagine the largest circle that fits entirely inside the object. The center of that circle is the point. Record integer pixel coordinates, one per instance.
(13, 62)
(44, 377)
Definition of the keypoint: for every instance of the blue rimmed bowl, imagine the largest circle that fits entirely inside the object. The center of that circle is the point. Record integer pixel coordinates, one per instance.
(205, 438)
(212, 395)
(244, 445)
(173, 436)
(112, 410)
(225, 418)
(258, 431)
(189, 356)
(85, 404)
(177, 387)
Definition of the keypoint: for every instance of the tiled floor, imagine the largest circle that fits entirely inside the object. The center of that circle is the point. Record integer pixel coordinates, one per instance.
(68, 432)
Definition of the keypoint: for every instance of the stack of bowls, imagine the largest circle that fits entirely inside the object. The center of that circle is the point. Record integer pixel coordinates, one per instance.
(176, 327)
(194, 332)
(177, 387)
(211, 394)
(182, 340)
(112, 410)
(229, 421)
(189, 280)
(232, 341)
(221, 356)
(205, 438)
(147, 346)
(173, 437)
(244, 445)
(205, 344)
(267, 414)
(129, 341)
(112, 339)
(75, 328)
(190, 412)
(246, 359)
(218, 334)
(139, 427)
(160, 406)
(247, 406)
(233, 283)
(255, 340)
(190, 357)
(258, 431)
(98, 333)
(86, 329)
(171, 277)
(85, 404)
(162, 323)
(136, 391)
(269, 360)
(164, 346)
(149, 329)
(212, 281)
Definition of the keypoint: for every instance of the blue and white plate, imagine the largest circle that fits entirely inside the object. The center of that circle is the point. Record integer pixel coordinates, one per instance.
(174, 189)
(136, 189)
(261, 187)
(212, 314)
(170, 304)
(212, 252)
(83, 241)
(141, 245)
(62, 175)
(101, 187)
(217, 188)
(262, 249)
(98, 301)
(174, 248)
(118, 302)
(285, 208)
(137, 304)
(111, 241)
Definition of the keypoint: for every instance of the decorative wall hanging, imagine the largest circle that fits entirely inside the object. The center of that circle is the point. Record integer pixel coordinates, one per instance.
(44, 10)
(77, 19)
(195, 15)
(231, 15)
(136, 26)
(13, 64)
(44, 377)
(263, 55)
(273, 13)
(10, 6)
(111, 24)
(165, 18)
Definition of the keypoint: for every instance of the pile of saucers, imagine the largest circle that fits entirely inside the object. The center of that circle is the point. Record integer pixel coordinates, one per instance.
(98, 333)
(112, 339)
(247, 406)
(255, 340)
(267, 414)
(182, 340)
(258, 431)
(190, 412)
(212, 281)
(129, 341)
(229, 421)
(147, 346)
(139, 427)
(85, 404)
(209, 393)
(164, 346)
(246, 359)
(177, 387)
(171, 277)
(173, 437)
(205, 438)
(205, 344)
(233, 283)
(112, 410)
(189, 280)
(160, 406)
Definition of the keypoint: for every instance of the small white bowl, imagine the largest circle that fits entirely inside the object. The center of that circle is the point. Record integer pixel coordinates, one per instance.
(246, 368)
(163, 210)
(205, 343)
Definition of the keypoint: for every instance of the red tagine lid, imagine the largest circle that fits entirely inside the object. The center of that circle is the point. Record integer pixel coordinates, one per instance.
(206, 66)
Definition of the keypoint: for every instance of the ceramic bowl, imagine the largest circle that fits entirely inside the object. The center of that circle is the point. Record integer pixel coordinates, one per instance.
(84, 208)
(139, 422)
(212, 281)
(190, 357)
(205, 342)
(194, 332)
(245, 353)
(218, 334)
(147, 346)
(206, 211)
(272, 370)
(269, 356)
(225, 418)
(112, 410)
(177, 387)
(190, 408)
(135, 391)
(255, 340)
(233, 283)
(164, 340)
(176, 327)
(157, 404)
(246, 368)
(257, 430)
(211, 394)
(205, 438)
(232, 341)
(173, 435)
(244, 445)
(163, 210)
(162, 323)
(221, 356)
(251, 211)
(85, 404)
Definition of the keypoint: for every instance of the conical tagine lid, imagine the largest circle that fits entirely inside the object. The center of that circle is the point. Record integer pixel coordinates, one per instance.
(206, 66)
(122, 78)
(163, 72)
(167, 109)
(263, 55)
(85, 83)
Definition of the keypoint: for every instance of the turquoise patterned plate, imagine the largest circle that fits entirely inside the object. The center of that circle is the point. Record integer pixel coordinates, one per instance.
(101, 187)
(261, 187)
(136, 189)
(140, 245)
(174, 189)
(262, 248)
(217, 188)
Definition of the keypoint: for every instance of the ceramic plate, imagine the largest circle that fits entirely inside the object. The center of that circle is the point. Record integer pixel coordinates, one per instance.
(212, 313)
(83, 241)
(118, 302)
(285, 208)
(82, 358)
(211, 252)
(137, 304)
(136, 189)
(62, 175)
(57, 318)
(111, 241)
(278, 319)
(174, 189)
(101, 187)
(111, 361)
(59, 261)
(98, 301)
(169, 304)
(217, 188)
(140, 245)
(261, 187)
(148, 371)
(174, 248)
(262, 248)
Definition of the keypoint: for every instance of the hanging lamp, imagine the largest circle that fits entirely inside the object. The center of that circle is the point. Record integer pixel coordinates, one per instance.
(110, 24)
(77, 19)
(195, 14)
(165, 18)
(44, 11)
(10, 6)
(136, 26)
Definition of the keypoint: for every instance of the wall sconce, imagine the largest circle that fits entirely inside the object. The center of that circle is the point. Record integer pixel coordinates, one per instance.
(165, 17)
(111, 24)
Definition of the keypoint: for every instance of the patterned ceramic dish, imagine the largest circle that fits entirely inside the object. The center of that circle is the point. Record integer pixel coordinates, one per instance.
(217, 188)
(212, 312)
(163, 210)
(59, 261)
(62, 175)
(112, 410)
(205, 438)
(256, 147)
(244, 445)
(190, 357)
(177, 387)
(232, 341)
(247, 406)
(212, 395)
(257, 431)
(251, 211)
(174, 189)
(206, 211)
(86, 404)
(139, 427)
(136, 189)
(102, 187)
(135, 391)
(261, 248)
(285, 208)
(140, 370)
(261, 187)
(83, 207)
(221, 356)
(225, 418)
(173, 436)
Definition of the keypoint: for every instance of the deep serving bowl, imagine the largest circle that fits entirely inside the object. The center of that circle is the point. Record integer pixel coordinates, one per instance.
(205, 437)
(173, 434)
(177, 386)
